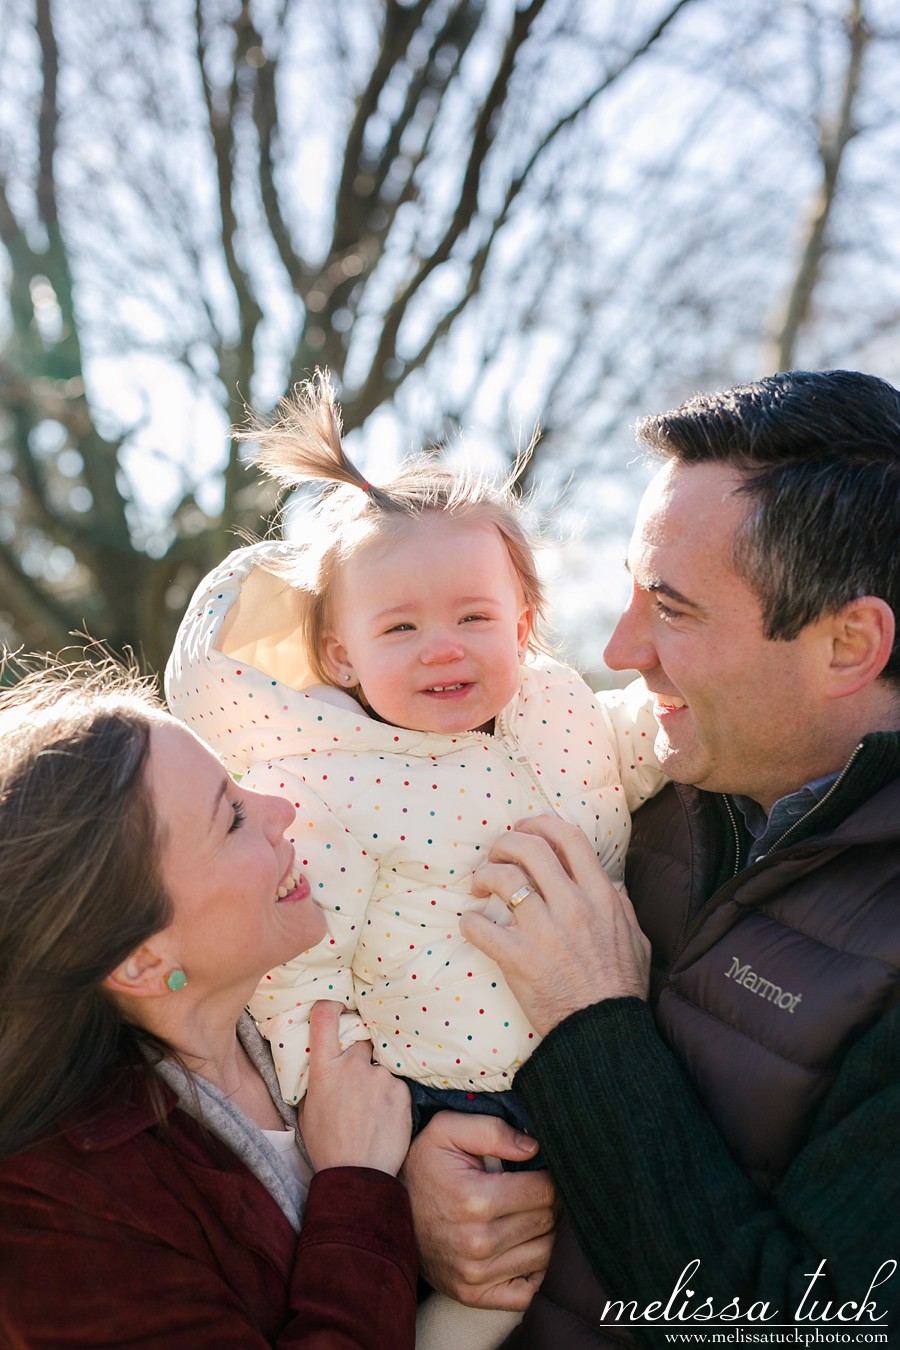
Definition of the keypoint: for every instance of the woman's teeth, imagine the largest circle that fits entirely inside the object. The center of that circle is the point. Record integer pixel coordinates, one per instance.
(290, 884)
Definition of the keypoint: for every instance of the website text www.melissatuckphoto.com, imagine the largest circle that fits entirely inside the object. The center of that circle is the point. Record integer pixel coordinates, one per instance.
(784, 1335)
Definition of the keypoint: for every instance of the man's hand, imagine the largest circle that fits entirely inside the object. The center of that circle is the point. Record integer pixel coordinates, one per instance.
(574, 939)
(484, 1237)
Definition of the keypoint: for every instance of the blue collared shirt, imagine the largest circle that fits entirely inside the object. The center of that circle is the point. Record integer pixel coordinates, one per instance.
(767, 830)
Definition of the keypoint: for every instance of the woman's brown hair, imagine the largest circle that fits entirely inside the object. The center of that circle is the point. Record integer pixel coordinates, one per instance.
(79, 884)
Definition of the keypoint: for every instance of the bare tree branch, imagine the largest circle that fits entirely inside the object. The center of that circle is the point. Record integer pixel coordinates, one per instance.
(42, 622)
(833, 142)
(363, 398)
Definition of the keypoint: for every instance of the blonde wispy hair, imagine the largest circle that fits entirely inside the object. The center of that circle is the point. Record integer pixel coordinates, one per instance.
(304, 444)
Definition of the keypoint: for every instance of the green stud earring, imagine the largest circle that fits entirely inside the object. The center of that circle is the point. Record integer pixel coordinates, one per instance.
(175, 980)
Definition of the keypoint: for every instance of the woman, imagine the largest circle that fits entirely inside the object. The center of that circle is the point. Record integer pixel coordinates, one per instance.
(152, 1181)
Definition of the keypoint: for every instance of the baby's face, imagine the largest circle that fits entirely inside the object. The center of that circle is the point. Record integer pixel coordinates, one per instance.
(431, 622)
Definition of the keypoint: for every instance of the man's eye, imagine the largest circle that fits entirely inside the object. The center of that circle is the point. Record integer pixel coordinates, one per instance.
(239, 817)
(664, 611)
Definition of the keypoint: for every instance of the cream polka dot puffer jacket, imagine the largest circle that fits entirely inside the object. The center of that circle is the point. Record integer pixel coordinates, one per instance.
(390, 825)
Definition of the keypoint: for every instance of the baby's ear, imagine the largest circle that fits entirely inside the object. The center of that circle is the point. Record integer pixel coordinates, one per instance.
(523, 631)
(337, 662)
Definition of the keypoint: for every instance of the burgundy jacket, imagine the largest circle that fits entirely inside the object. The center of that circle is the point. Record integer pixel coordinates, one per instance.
(122, 1231)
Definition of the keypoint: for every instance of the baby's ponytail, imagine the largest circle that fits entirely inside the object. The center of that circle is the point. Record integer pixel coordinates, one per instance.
(304, 443)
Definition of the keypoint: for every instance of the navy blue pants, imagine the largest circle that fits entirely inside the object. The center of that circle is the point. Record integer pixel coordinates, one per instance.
(427, 1101)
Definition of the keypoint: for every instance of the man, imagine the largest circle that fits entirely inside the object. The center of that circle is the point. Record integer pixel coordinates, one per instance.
(741, 1123)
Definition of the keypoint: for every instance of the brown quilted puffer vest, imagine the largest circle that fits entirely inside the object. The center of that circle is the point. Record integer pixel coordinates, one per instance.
(768, 982)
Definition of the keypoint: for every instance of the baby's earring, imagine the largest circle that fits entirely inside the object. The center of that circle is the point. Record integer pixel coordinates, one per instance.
(347, 679)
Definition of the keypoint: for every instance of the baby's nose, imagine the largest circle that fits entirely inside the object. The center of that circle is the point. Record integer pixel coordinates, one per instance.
(441, 647)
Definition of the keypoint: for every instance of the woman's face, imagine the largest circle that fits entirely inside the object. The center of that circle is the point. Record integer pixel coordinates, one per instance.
(240, 906)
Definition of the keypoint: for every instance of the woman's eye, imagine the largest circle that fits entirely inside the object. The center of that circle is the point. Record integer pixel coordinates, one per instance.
(239, 817)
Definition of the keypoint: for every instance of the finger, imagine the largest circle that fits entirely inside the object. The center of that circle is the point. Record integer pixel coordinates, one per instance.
(576, 854)
(532, 858)
(498, 878)
(557, 854)
(489, 1136)
(491, 938)
(511, 1296)
(520, 1258)
(361, 1050)
(569, 843)
(508, 1280)
(324, 1024)
(511, 1231)
(505, 880)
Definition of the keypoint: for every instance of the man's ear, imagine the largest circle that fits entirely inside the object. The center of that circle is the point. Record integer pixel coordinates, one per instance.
(862, 641)
(337, 661)
(142, 974)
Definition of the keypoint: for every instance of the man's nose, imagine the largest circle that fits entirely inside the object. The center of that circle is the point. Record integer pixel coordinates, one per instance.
(630, 648)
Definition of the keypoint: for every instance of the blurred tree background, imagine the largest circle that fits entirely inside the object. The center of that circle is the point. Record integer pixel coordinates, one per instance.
(477, 213)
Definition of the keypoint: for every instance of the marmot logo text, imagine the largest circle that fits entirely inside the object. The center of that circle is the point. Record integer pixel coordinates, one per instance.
(742, 974)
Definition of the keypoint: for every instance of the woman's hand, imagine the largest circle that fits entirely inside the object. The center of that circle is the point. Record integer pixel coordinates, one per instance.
(574, 939)
(355, 1113)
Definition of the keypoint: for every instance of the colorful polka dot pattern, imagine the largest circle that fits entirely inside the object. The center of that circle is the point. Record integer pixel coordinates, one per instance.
(389, 827)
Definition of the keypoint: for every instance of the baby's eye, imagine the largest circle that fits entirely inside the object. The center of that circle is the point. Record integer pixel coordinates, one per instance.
(239, 816)
(473, 618)
(401, 628)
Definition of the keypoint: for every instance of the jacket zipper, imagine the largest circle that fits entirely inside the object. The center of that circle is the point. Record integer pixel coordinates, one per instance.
(501, 737)
(779, 843)
(714, 900)
(717, 898)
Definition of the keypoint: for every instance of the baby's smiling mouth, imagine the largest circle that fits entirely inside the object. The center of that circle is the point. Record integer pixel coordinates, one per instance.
(445, 688)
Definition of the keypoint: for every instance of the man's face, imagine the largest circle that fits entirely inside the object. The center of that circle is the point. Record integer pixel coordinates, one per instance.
(736, 711)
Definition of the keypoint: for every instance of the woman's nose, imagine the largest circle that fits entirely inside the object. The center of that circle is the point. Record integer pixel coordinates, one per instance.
(278, 814)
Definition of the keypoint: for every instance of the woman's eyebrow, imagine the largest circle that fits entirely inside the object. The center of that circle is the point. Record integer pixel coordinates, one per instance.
(217, 801)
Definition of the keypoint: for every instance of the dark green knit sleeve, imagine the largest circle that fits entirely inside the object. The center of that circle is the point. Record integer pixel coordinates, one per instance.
(651, 1188)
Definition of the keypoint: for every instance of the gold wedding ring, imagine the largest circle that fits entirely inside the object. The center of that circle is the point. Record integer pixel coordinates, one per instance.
(518, 896)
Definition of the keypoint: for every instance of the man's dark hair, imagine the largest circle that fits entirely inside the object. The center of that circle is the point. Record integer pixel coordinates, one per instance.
(820, 455)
